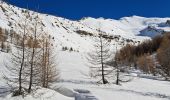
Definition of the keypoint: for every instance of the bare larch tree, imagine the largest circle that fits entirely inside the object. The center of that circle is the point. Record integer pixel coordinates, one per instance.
(18, 60)
(98, 58)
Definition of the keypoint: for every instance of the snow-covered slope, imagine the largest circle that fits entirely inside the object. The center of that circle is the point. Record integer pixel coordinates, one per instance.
(67, 32)
(79, 35)
(127, 25)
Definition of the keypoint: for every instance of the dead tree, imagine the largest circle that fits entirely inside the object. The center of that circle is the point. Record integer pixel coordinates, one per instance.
(98, 58)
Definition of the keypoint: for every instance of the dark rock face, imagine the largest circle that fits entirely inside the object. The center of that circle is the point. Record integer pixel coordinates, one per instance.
(151, 31)
(168, 22)
(165, 24)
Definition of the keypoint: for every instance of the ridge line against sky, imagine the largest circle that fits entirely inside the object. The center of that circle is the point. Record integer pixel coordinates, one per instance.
(114, 9)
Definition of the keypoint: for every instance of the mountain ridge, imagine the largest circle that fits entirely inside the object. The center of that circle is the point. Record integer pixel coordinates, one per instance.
(65, 31)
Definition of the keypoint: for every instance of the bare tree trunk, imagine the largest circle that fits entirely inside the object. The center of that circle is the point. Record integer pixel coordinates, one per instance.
(2, 46)
(117, 75)
(22, 62)
(32, 58)
(101, 42)
(117, 68)
(99, 57)
(46, 63)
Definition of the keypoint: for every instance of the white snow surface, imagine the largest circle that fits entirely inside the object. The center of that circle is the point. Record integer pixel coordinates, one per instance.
(41, 94)
(73, 66)
(75, 76)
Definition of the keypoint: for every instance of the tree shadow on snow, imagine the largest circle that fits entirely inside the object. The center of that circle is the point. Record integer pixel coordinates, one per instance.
(4, 91)
(157, 95)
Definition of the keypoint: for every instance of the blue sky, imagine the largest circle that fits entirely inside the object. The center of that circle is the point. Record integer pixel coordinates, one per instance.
(115, 9)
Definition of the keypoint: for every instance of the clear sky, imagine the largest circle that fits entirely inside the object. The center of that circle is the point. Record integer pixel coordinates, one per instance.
(115, 9)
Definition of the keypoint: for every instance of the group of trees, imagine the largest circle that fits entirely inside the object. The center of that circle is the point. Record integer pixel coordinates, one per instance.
(163, 56)
(4, 43)
(147, 64)
(150, 56)
(33, 59)
(129, 53)
(67, 49)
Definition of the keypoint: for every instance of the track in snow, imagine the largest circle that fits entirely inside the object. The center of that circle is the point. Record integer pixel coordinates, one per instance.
(84, 95)
(157, 95)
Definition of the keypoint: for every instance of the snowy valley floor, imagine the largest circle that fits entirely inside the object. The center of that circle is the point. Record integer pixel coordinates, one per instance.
(74, 75)
(138, 88)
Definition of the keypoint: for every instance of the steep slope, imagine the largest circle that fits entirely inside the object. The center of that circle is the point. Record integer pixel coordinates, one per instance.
(67, 32)
(79, 35)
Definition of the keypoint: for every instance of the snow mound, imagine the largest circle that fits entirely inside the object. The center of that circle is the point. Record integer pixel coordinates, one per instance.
(41, 94)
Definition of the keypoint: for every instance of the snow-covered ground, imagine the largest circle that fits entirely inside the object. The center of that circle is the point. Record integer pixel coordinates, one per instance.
(138, 88)
(74, 76)
(40, 94)
(73, 65)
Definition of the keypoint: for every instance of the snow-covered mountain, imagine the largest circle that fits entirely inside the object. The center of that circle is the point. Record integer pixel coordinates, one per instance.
(79, 34)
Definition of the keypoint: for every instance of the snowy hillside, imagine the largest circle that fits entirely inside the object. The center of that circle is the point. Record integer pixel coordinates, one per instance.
(72, 65)
(68, 33)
